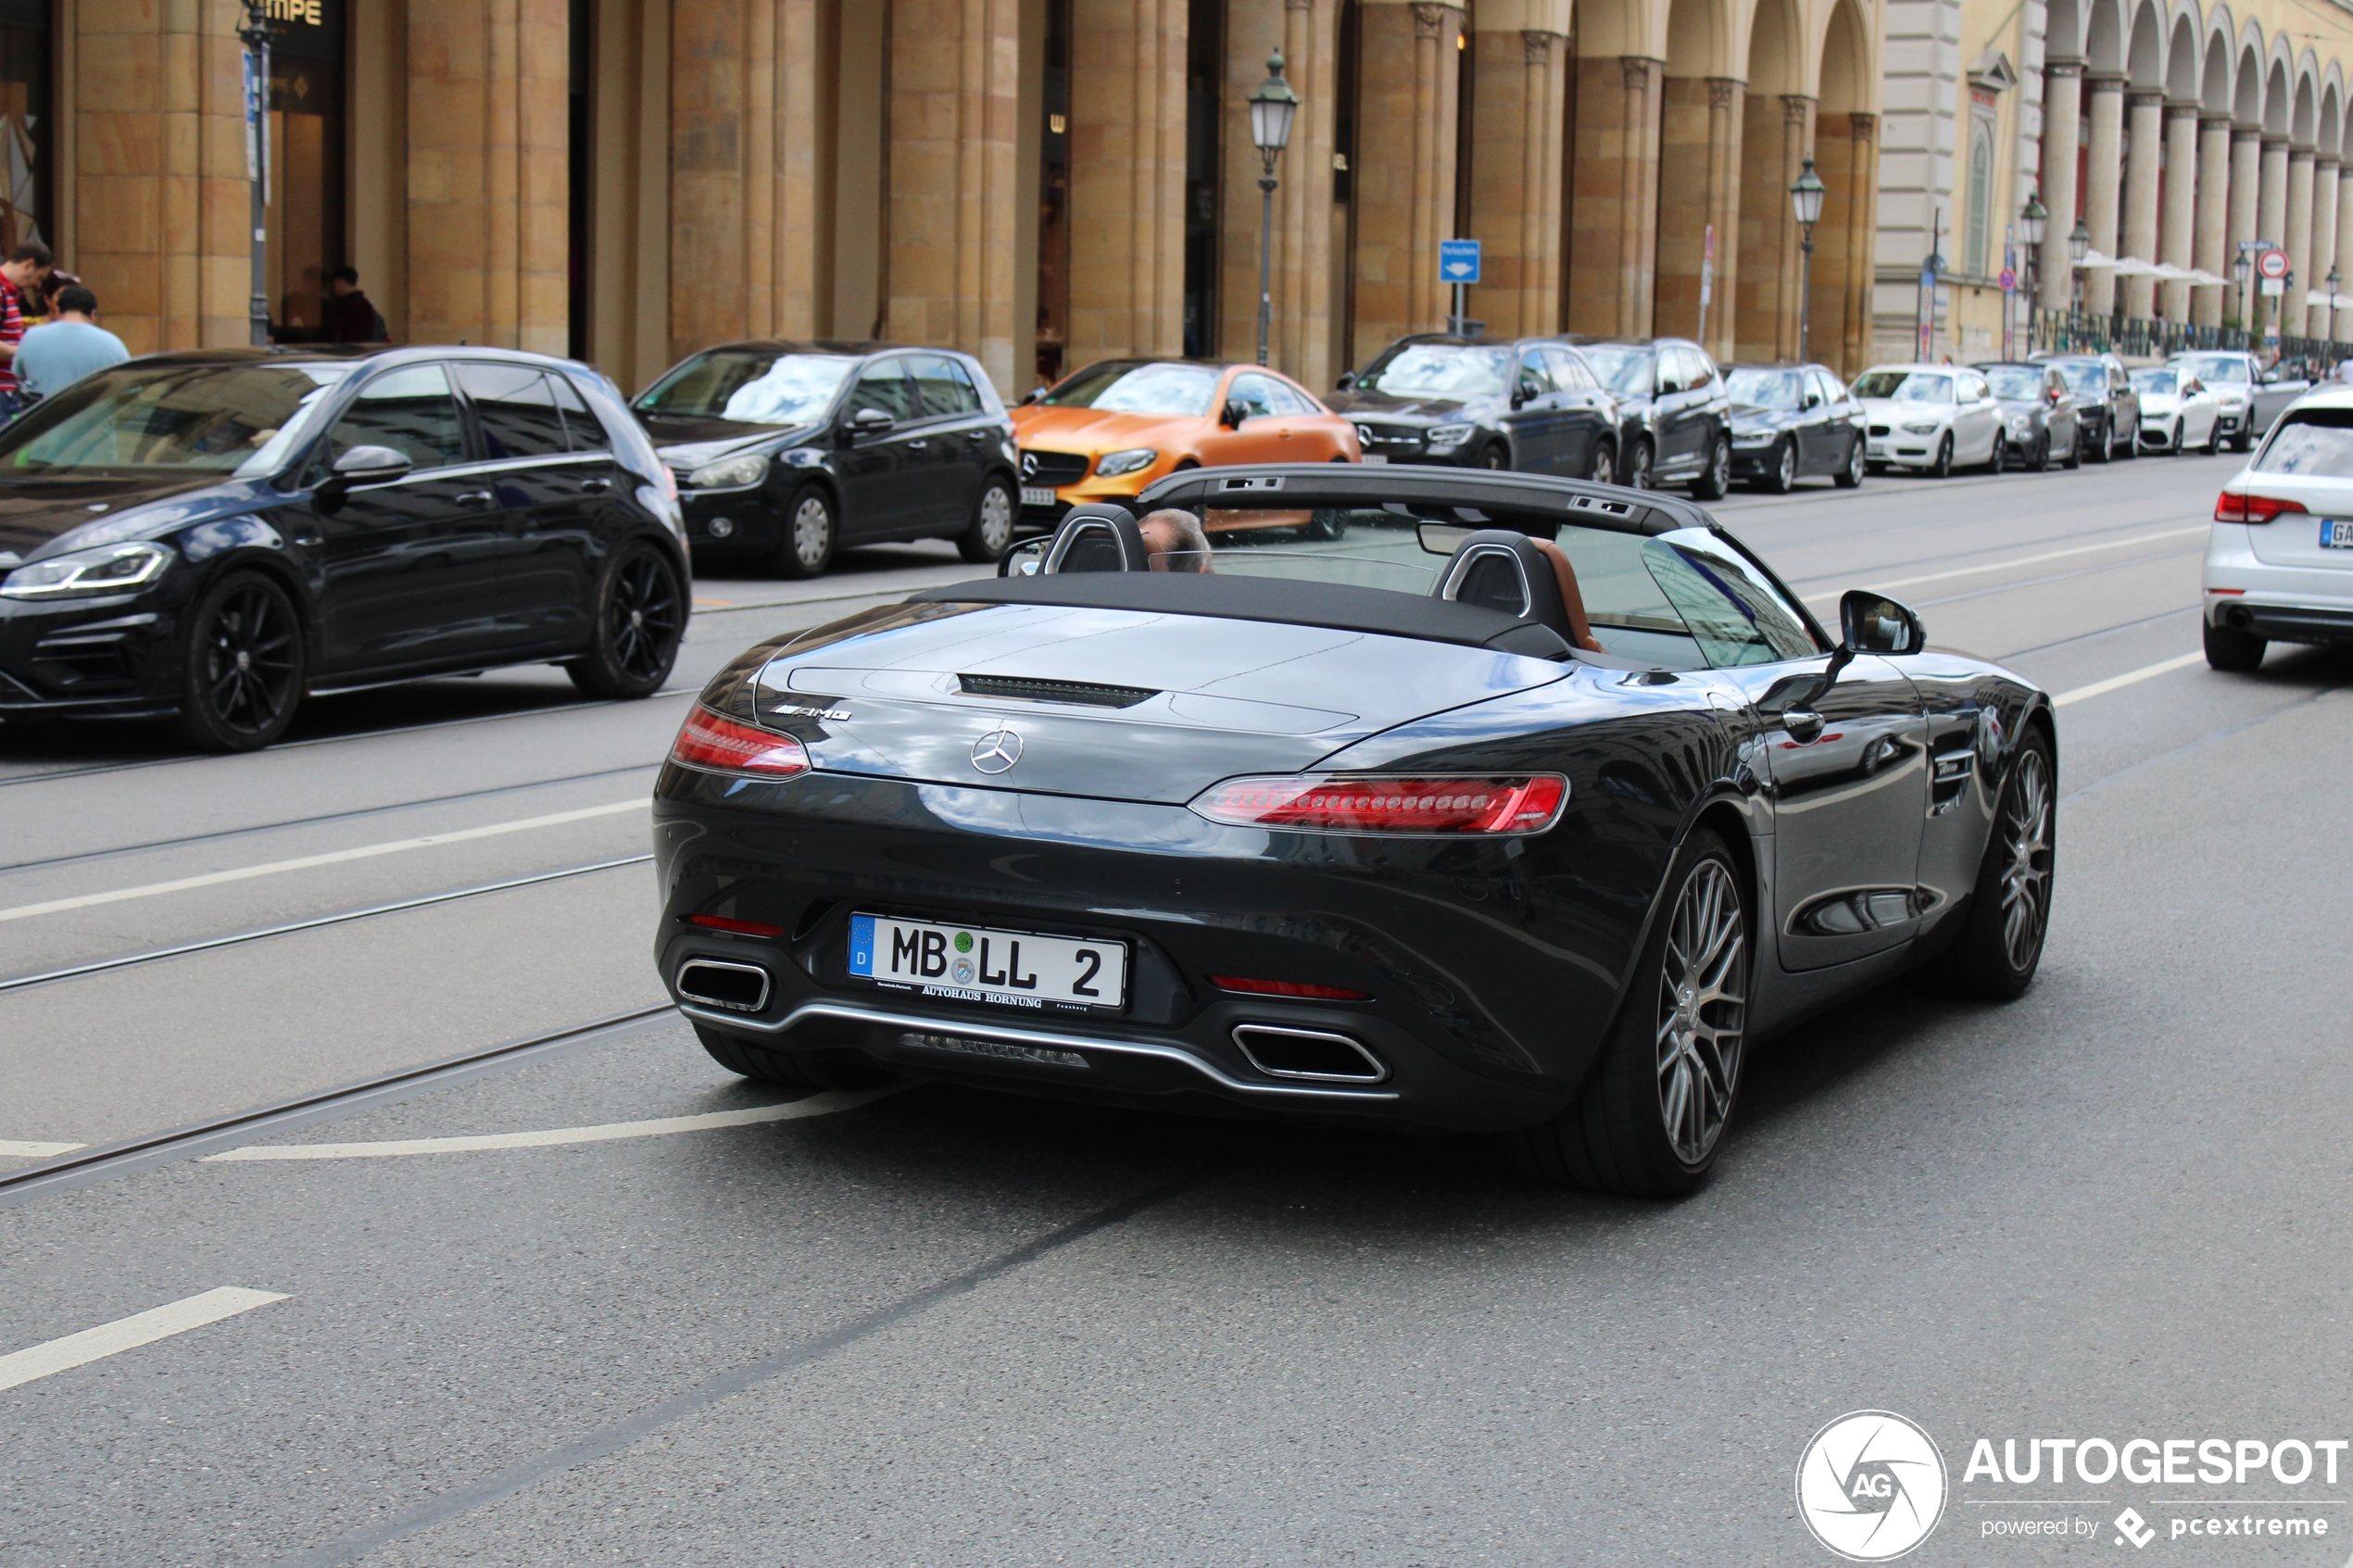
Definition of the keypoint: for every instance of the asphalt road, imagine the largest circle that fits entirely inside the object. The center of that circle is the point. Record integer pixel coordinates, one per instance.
(944, 1327)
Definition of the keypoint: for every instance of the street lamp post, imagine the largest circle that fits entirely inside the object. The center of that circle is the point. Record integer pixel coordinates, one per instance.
(2033, 222)
(2241, 270)
(1272, 106)
(1806, 203)
(255, 36)
(2078, 246)
(2335, 281)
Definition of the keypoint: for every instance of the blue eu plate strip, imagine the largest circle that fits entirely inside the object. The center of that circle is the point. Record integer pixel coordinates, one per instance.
(862, 944)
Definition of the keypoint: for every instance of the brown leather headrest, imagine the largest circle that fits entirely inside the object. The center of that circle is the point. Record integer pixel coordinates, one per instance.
(1572, 600)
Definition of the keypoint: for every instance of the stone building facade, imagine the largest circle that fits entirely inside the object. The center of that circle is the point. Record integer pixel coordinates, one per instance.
(1042, 183)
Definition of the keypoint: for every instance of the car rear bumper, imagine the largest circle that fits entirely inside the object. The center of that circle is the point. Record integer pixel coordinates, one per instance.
(2287, 603)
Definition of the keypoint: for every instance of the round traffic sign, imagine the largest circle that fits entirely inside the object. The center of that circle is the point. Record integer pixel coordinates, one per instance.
(2271, 264)
(2008, 280)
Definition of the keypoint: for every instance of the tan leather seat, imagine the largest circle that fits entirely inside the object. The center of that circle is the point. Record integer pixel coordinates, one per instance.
(1572, 598)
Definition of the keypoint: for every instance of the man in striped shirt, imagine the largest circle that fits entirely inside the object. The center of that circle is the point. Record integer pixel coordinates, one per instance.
(26, 265)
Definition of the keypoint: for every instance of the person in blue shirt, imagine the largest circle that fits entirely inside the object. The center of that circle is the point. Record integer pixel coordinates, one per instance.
(68, 346)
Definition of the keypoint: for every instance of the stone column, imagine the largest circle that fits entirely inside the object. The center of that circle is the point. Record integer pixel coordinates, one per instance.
(2139, 239)
(954, 87)
(490, 154)
(2062, 107)
(2209, 248)
(1299, 336)
(1614, 218)
(1699, 132)
(1404, 170)
(743, 188)
(2299, 240)
(2176, 240)
(2245, 199)
(2342, 330)
(1519, 56)
(2319, 317)
(2105, 175)
(1861, 230)
(1127, 179)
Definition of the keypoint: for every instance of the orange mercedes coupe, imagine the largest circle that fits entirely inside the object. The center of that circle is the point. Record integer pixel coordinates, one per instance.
(1107, 432)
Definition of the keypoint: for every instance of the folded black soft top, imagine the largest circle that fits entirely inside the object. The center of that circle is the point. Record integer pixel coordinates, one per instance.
(1281, 600)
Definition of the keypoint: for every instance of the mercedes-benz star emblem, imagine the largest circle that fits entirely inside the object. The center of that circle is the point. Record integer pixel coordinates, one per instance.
(996, 751)
(1029, 465)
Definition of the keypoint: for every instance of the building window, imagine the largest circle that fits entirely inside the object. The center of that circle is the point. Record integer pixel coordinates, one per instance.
(24, 114)
(1981, 199)
(305, 223)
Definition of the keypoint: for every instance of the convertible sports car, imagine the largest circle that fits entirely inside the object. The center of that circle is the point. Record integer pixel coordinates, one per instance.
(1479, 801)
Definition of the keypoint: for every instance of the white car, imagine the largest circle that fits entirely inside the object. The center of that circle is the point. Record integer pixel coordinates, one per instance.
(2178, 411)
(2279, 561)
(1932, 418)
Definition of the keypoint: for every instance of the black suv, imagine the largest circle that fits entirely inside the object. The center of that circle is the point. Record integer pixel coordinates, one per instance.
(1534, 405)
(218, 534)
(785, 451)
(1675, 423)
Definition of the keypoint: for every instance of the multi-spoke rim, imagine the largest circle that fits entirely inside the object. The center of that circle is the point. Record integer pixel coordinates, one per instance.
(643, 617)
(1787, 473)
(813, 529)
(1605, 470)
(1720, 466)
(2026, 860)
(1854, 462)
(1702, 1008)
(996, 519)
(1637, 470)
(250, 659)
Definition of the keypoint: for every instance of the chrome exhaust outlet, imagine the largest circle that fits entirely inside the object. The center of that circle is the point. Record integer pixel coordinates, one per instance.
(737, 987)
(1316, 1056)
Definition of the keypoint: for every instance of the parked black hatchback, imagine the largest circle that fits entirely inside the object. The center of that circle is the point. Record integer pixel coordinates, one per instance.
(1675, 424)
(215, 534)
(1534, 406)
(1792, 421)
(785, 451)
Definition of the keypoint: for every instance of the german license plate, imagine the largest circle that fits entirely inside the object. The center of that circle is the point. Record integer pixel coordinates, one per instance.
(1037, 494)
(1876, 449)
(1376, 456)
(2337, 534)
(976, 963)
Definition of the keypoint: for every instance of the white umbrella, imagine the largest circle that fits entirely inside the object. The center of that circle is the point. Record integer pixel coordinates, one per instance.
(2095, 262)
(2133, 267)
(2176, 274)
(2200, 275)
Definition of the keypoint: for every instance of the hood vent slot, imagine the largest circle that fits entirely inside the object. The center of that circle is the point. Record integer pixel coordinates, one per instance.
(1086, 694)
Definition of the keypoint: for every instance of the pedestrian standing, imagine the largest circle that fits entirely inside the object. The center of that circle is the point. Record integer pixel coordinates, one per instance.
(352, 317)
(68, 345)
(26, 266)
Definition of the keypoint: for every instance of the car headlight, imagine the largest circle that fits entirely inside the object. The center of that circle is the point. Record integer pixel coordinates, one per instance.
(2020, 425)
(1111, 465)
(1448, 435)
(1930, 428)
(729, 473)
(1752, 438)
(108, 569)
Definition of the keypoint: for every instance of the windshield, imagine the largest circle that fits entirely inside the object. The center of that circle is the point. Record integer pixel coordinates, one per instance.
(2018, 384)
(2088, 378)
(750, 386)
(1122, 386)
(2214, 367)
(2160, 383)
(1621, 370)
(221, 419)
(1765, 389)
(1441, 370)
(1905, 386)
(2317, 442)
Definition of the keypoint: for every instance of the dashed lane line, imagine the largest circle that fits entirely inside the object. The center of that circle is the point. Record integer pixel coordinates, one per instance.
(823, 1104)
(2129, 678)
(332, 858)
(129, 1333)
(1889, 586)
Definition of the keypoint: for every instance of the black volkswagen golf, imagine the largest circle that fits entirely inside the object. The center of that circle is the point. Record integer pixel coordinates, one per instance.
(213, 536)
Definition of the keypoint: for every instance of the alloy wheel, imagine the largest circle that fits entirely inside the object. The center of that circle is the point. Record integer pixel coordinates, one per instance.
(1785, 470)
(1604, 469)
(251, 660)
(2026, 860)
(1703, 1007)
(1638, 467)
(812, 533)
(643, 617)
(996, 519)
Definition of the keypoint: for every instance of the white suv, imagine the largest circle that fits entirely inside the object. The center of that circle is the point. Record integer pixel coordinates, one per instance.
(2279, 563)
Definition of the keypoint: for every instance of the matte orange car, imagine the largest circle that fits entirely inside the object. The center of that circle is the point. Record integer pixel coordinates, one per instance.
(1107, 432)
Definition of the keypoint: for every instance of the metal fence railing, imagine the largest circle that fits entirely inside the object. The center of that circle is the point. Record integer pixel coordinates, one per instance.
(2075, 332)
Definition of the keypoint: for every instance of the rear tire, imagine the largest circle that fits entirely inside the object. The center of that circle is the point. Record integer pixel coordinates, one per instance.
(1715, 481)
(241, 663)
(1782, 477)
(2227, 648)
(811, 527)
(640, 620)
(2001, 945)
(2214, 439)
(992, 526)
(1851, 476)
(787, 1069)
(1943, 467)
(1651, 1117)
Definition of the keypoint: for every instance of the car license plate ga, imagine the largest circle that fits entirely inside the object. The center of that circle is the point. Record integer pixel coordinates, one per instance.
(1037, 494)
(2337, 534)
(975, 963)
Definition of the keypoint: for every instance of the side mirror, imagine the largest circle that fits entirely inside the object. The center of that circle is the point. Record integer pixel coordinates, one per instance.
(871, 422)
(1869, 623)
(369, 465)
(1232, 414)
(1519, 397)
(1813, 400)
(1347, 380)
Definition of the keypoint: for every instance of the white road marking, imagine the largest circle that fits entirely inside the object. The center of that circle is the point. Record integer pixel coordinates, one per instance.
(12, 1149)
(2129, 678)
(822, 1104)
(129, 1333)
(2022, 560)
(333, 858)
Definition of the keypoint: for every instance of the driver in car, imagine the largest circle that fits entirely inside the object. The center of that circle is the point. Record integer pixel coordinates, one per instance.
(1174, 541)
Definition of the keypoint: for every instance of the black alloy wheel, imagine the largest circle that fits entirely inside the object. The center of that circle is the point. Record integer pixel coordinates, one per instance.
(1495, 457)
(1715, 481)
(2000, 942)
(1851, 476)
(1650, 1116)
(992, 526)
(810, 530)
(242, 662)
(2102, 448)
(1781, 478)
(640, 621)
(2176, 449)
(1637, 468)
(1602, 467)
(1943, 467)
(2213, 438)
(2229, 649)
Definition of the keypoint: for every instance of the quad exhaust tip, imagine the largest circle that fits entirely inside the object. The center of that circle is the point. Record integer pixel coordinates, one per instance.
(1316, 1056)
(738, 987)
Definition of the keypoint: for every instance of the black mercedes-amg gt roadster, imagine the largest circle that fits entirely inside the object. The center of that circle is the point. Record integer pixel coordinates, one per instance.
(1453, 800)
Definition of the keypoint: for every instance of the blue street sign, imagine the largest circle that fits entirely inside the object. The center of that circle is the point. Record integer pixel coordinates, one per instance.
(1458, 261)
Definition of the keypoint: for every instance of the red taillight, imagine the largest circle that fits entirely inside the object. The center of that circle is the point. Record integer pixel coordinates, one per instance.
(706, 740)
(2232, 507)
(1289, 989)
(1327, 803)
(737, 927)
